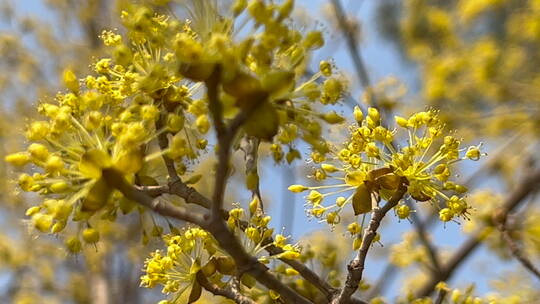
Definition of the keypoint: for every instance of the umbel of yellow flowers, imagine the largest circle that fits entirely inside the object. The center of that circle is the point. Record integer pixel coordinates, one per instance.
(372, 165)
(152, 85)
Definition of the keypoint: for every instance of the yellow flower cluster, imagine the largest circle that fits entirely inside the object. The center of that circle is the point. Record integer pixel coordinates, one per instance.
(82, 133)
(407, 252)
(194, 250)
(476, 66)
(373, 164)
(254, 231)
(187, 253)
(152, 84)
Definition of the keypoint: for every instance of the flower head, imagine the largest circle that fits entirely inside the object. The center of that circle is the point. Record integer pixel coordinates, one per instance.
(372, 165)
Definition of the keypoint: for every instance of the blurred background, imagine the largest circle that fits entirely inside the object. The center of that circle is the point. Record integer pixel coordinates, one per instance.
(477, 61)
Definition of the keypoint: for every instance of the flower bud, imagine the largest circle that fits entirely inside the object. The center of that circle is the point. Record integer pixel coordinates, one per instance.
(402, 122)
(314, 40)
(473, 153)
(18, 159)
(42, 222)
(70, 80)
(333, 118)
(403, 211)
(358, 115)
(340, 201)
(446, 215)
(32, 210)
(353, 228)
(291, 271)
(329, 168)
(297, 188)
(73, 244)
(254, 205)
(54, 164)
(90, 235)
(175, 122)
(326, 68)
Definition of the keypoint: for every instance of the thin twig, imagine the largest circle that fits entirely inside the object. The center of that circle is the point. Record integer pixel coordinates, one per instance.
(247, 263)
(440, 297)
(116, 180)
(224, 139)
(516, 250)
(229, 293)
(163, 143)
(178, 188)
(357, 265)
(252, 153)
(528, 184)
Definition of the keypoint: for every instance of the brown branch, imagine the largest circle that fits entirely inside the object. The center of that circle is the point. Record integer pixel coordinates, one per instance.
(154, 191)
(249, 264)
(252, 152)
(357, 265)
(440, 297)
(214, 104)
(224, 139)
(163, 143)
(226, 239)
(216, 225)
(116, 180)
(229, 293)
(194, 197)
(516, 250)
(178, 188)
(528, 184)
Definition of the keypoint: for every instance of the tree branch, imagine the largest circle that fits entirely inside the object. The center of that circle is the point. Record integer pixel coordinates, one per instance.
(529, 183)
(247, 263)
(356, 266)
(229, 293)
(224, 139)
(192, 196)
(440, 297)
(516, 250)
(163, 143)
(252, 150)
(116, 180)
